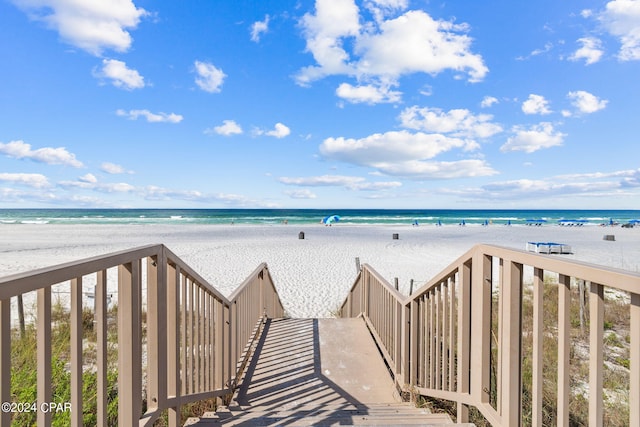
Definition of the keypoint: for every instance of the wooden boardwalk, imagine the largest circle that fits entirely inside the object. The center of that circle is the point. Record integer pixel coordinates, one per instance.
(318, 372)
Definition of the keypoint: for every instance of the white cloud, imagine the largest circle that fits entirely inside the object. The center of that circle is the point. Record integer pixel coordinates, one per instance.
(120, 76)
(156, 193)
(528, 188)
(93, 26)
(426, 170)
(118, 187)
(322, 181)
(590, 51)
(151, 117)
(622, 19)
(536, 104)
(227, 128)
(333, 20)
(597, 184)
(349, 182)
(586, 102)
(301, 194)
(382, 8)
(209, 77)
(369, 94)
(30, 179)
(415, 42)
(535, 138)
(113, 169)
(90, 182)
(88, 178)
(586, 13)
(383, 50)
(48, 155)
(279, 131)
(392, 146)
(258, 28)
(405, 154)
(488, 101)
(547, 48)
(458, 122)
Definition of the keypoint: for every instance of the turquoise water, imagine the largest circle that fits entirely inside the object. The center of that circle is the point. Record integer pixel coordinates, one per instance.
(309, 216)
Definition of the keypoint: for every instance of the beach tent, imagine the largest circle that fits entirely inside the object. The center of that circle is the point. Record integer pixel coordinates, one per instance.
(330, 219)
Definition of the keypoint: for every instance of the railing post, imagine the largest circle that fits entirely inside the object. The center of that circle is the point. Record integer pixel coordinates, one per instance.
(596, 334)
(480, 327)
(365, 292)
(634, 356)
(173, 342)
(263, 305)
(398, 334)
(233, 343)
(129, 344)
(44, 354)
(228, 343)
(511, 290)
(413, 342)
(537, 356)
(464, 338)
(564, 299)
(76, 352)
(219, 349)
(101, 344)
(156, 331)
(405, 342)
(5, 359)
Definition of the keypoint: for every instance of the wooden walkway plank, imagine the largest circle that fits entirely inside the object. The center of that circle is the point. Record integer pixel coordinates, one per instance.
(318, 372)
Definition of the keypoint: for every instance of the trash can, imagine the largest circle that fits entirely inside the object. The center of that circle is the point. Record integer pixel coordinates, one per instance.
(609, 237)
(396, 236)
(301, 235)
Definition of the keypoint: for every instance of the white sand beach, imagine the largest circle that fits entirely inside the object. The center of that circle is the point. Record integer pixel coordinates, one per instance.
(312, 275)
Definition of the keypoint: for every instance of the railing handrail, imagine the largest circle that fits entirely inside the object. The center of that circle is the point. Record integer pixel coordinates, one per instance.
(438, 340)
(32, 280)
(625, 280)
(197, 340)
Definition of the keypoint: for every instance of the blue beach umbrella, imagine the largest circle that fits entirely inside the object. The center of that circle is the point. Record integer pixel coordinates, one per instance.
(329, 219)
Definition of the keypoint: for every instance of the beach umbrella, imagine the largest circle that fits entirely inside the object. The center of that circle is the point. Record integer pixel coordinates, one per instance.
(634, 221)
(329, 219)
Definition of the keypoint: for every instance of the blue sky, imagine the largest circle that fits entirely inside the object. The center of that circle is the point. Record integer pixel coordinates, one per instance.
(316, 104)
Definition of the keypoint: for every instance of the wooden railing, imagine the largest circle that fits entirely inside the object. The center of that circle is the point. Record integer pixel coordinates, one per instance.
(460, 336)
(178, 339)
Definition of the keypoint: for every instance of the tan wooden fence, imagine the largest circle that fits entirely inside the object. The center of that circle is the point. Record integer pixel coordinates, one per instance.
(179, 340)
(459, 337)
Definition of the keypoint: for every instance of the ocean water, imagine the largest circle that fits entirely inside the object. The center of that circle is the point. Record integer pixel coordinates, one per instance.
(308, 216)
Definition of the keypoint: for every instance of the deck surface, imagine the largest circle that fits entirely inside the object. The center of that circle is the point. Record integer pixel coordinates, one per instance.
(317, 372)
(321, 361)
